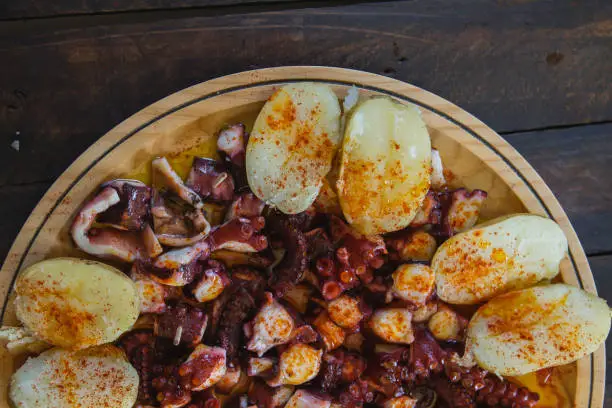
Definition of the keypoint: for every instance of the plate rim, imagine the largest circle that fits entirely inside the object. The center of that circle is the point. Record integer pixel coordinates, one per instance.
(342, 76)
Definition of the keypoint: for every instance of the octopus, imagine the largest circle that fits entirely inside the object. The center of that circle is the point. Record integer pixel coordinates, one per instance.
(302, 308)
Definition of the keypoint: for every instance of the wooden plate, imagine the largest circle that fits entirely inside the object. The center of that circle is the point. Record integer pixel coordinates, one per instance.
(476, 155)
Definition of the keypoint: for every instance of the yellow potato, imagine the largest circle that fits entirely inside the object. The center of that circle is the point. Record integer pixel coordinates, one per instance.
(291, 147)
(75, 303)
(92, 378)
(530, 329)
(385, 166)
(504, 254)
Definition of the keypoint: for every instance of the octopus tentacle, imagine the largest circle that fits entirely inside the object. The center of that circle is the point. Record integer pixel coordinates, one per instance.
(162, 169)
(105, 242)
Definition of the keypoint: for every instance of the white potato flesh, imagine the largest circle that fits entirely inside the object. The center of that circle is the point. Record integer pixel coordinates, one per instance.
(504, 254)
(92, 378)
(413, 283)
(385, 166)
(393, 325)
(291, 147)
(75, 303)
(530, 329)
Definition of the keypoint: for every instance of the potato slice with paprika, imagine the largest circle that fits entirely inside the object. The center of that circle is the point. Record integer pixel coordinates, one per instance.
(530, 329)
(498, 256)
(291, 147)
(76, 303)
(385, 166)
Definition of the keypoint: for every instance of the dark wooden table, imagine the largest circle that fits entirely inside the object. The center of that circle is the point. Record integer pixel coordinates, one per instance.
(538, 72)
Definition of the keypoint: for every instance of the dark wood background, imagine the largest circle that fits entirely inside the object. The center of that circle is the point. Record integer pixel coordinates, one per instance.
(539, 72)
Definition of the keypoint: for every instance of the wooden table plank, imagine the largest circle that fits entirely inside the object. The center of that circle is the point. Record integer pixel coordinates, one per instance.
(16, 9)
(66, 81)
(16, 204)
(576, 163)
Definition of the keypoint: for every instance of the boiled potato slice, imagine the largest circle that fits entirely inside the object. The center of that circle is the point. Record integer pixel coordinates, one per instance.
(385, 166)
(75, 303)
(504, 254)
(92, 378)
(530, 329)
(291, 147)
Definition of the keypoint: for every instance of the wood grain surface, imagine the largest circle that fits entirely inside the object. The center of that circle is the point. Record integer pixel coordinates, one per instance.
(539, 72)
(14, 9)
(512, 65)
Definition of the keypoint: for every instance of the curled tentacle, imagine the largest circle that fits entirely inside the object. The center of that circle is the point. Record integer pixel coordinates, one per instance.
(105, 242)
(290, 269)
(240, 235)
(454, 395)
(233, 308)
(170, 392)
(354, 261)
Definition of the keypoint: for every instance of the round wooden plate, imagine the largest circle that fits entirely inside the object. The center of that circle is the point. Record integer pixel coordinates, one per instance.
(476, 155)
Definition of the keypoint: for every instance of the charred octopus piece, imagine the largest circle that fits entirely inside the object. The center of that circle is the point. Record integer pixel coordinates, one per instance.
(355, 259)
(139, 347)
(459, 210)
(240, 235)
(465, 209)
(211, 180)
(212, 282)
(232, 141)
(151, 243)
(176, 222)
(204, 368)
(153, 295)
(290, 269)
(307, 399)
(272, 326)
(164, 175)
(179, 266)
(182, 323)
(268, 397)
(245, 205)
(105, 242)
(233, 308)
(170, 392)
(429, 213)
(132, 210)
